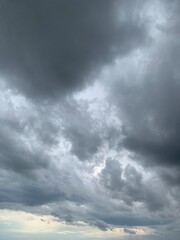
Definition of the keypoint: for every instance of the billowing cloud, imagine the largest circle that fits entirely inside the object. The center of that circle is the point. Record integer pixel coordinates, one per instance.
(89, 117)
(50, 49)
(146, 98)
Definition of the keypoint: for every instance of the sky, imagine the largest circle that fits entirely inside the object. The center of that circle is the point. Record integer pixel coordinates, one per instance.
(89, 119)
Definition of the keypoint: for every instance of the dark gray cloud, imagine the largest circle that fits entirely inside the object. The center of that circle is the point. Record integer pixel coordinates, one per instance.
(170, 175)
(126, 230)
(49, 48)
(42, 186)
(101, 225)
(129, 186)
(111, 214)
(16, 156)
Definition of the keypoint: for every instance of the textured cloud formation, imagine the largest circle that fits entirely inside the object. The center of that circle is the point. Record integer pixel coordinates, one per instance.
(89, 117)
(132, 188)
(148, 102)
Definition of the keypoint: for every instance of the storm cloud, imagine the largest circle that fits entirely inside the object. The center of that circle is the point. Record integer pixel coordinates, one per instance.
(49, 49)
(89, 116)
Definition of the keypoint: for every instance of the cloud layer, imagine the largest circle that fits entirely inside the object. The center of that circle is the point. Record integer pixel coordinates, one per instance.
(89, 114)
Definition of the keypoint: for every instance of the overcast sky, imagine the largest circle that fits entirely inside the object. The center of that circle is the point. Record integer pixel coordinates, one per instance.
(89, 119)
